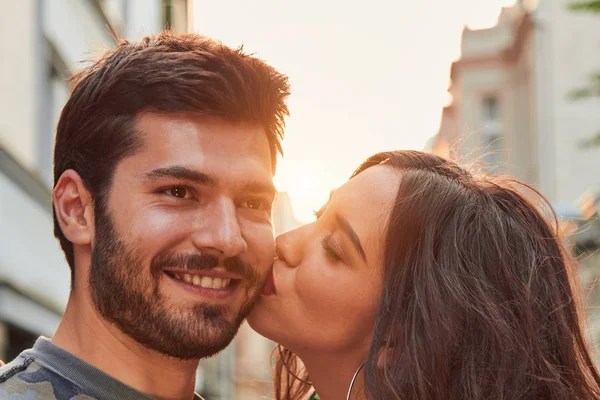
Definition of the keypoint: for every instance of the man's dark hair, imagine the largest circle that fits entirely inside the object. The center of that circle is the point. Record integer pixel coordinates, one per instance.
(165, 73)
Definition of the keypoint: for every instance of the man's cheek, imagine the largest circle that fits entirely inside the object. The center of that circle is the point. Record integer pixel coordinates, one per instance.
(264, 245)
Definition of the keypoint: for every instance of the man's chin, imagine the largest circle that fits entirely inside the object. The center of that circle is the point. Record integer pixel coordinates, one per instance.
(189, 339)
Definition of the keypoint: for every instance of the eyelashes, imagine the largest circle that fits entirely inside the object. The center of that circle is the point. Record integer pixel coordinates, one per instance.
(335, 255)
(328, 249)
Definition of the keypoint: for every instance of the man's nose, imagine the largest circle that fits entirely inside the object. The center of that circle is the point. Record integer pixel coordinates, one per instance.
(219, 230)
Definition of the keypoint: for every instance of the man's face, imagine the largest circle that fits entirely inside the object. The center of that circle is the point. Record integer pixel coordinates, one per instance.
(184, 241)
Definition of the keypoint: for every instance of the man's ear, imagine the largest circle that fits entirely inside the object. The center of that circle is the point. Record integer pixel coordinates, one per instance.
(74, 208)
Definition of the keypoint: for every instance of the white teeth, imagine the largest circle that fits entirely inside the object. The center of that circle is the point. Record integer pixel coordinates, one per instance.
(207, 282)
(204, 281)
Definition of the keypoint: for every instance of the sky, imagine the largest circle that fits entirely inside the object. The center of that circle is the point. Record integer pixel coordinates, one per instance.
(365, 76)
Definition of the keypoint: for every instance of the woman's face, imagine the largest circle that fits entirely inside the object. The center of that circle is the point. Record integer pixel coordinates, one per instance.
(327, 276)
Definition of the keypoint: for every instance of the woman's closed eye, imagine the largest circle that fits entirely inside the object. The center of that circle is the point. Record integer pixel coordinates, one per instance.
(331, 249)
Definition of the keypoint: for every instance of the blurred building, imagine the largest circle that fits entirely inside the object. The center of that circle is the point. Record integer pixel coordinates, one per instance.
(511, 107)
(42, 43)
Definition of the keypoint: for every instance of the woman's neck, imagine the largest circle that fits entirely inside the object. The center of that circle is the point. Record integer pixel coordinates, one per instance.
(331, 376)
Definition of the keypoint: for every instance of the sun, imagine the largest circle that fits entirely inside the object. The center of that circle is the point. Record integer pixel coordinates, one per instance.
(306, 192)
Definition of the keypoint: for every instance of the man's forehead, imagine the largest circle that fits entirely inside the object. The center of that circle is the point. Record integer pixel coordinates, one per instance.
(198, 128)
(201, 140)
(183, 146)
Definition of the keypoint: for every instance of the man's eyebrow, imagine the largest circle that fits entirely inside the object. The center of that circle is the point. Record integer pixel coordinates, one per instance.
(260, 187)
(347, 228)
(183, 173)
(192, 175)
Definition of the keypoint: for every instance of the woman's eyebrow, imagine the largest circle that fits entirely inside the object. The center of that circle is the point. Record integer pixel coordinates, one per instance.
(347, 229)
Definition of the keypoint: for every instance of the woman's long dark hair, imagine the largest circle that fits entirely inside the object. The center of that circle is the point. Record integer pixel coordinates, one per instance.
(479, 299)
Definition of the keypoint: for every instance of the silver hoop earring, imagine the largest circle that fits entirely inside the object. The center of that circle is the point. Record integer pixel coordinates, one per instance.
(354, 379)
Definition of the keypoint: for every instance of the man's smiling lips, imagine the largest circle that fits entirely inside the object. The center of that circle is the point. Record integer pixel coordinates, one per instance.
(214, 283)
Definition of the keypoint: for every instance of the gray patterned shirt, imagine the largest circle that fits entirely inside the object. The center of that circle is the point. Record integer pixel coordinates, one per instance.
(47, 372)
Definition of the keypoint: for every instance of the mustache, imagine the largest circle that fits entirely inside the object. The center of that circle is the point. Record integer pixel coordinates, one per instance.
(203, 262)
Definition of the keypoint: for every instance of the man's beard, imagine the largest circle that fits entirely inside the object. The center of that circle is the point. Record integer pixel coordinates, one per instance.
(127, 294)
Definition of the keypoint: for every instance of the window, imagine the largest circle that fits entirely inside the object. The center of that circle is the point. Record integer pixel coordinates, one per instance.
(176, 15)
(168, 16)
(492, 131)
(490, 108)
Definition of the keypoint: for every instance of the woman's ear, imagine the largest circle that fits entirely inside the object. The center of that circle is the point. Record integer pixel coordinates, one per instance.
(74, 210)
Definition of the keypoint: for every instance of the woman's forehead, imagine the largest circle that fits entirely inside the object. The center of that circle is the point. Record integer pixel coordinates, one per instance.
(376, 185)
(366, 201)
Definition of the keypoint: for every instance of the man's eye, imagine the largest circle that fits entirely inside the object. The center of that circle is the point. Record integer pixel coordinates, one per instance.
(178, 192)
(254, 204)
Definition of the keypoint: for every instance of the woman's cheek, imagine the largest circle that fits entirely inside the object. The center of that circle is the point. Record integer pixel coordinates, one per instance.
(311, 286)
(324, 292)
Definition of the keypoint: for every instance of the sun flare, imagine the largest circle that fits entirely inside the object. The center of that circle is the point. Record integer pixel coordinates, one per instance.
(306, 192)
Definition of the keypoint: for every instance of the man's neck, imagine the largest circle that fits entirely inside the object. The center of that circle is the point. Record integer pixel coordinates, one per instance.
(331, 375)
(85, 334)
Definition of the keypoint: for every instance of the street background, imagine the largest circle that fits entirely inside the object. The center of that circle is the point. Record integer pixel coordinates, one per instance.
(511, 86)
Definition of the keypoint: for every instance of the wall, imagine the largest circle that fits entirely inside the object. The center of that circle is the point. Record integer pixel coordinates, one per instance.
(17, 79)
(546, 56)
(571, 53)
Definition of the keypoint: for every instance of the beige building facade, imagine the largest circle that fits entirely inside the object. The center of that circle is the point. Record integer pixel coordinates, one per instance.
(511, 108)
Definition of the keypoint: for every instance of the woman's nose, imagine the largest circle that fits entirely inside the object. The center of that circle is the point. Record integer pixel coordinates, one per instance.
(290, 246)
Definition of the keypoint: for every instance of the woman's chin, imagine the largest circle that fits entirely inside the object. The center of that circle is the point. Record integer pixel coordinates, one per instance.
(269, 320)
